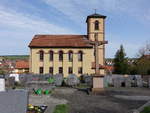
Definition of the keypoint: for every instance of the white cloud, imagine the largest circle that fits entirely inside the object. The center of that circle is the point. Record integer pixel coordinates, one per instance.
(77, 9)
(29, 22)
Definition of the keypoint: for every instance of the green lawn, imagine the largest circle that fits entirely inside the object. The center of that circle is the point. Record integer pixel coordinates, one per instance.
(62, 108)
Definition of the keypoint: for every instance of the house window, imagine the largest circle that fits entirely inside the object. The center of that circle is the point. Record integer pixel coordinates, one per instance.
(70, 71)
(51, 55)
(60, 55)
(60, 70)
(41, 70)
(96, 25)
(41, 55)
(70, 56)
(80, 56)
(51, 70)
(80, 70)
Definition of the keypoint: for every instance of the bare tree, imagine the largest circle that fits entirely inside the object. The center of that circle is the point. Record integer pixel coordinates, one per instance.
(144, 50)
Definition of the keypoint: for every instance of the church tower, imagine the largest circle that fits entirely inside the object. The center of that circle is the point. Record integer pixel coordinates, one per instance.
(96, 24)
(96, 27)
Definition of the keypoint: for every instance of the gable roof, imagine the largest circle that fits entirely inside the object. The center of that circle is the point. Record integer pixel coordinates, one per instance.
(63, 41)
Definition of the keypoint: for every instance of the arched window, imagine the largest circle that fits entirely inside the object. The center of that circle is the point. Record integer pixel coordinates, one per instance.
(70, 56)
(60, 55)
(51, 55)
(96, 25)
(80, 56)
(41, 55)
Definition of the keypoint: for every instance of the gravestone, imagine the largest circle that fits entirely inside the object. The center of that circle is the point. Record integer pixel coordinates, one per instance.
(149, 82)
(128, 82)
(118, 82)
(13, 101)
(2, 84)
(72, 80)
(58, 79)
(139, 81)
(10, 82)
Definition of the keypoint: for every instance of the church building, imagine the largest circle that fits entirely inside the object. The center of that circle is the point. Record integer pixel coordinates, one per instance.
(69, 54)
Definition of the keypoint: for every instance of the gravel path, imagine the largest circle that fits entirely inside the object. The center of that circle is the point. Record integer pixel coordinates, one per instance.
(80, 102)
(47, 100)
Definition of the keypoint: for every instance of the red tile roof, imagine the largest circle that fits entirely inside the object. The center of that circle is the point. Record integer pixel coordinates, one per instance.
(74, 41)
(100, 66)
(22, 64)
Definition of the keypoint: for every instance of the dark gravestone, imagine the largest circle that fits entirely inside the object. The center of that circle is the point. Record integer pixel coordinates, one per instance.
(58, 79)
(10, 82)
(72, 80)
(14, 101)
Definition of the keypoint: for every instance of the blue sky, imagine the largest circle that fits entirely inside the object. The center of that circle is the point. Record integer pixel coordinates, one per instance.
(127, 22)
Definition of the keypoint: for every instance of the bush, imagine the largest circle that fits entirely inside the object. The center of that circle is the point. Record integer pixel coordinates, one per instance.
(62, 108)
(146, 110)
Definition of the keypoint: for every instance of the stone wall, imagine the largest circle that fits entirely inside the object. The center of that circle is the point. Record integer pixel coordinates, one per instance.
(125, 81)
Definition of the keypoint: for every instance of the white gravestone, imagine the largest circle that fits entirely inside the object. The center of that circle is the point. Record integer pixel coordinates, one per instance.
(2, 84)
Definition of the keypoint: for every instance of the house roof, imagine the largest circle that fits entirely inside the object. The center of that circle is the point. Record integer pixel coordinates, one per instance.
(72, 41)
(22, 64)
(95, 15)
(100, 66)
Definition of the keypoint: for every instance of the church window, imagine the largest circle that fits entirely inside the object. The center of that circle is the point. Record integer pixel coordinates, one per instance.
(80, 56)
(96, 25)
(60, 70)
(70, 71)
(80, 70)
(41, 70)
(70, 56)
(60, 55)
(51, 70)
(51, 53)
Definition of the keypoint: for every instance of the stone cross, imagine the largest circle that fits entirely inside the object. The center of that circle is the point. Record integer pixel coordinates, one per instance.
(96, 44)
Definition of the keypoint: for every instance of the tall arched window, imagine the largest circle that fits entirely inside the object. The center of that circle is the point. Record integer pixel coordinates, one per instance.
(80, 56)
(41, 55)
(70, 56)
(60, 55)
(51, 55)
(96, 25)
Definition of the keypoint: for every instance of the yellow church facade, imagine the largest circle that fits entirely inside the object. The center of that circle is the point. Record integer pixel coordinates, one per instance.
(69, 54)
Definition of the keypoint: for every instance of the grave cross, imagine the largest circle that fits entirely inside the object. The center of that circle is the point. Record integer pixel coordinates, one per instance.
(96, 44)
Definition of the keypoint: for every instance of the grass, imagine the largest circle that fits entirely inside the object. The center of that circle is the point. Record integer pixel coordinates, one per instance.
(62, 108)
(146, 110)
(82, 85)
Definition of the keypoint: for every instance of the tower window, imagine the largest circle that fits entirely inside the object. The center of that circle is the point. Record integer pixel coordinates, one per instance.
(70, 56)
(41, 55)
(60, 70)
(70, 71)
(51, 55)
(80, 56)
(60, 55)
(41, 70)
(96, 25)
